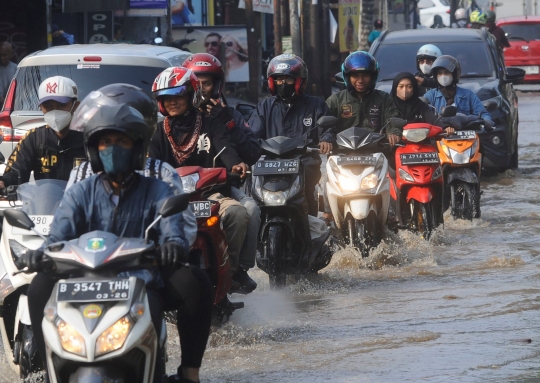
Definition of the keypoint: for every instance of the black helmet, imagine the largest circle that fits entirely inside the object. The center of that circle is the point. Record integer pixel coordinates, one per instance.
(450, 64)
(287, 65)
(360, 61)
(490, 16)
(119, 107)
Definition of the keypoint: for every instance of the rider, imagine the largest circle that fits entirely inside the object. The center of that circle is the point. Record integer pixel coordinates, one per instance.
(462, 21)
(292, 113)
(447, 71)
(498, 32)
(116, 140)
(425, 57)
(52, 150)
(209, 71)
(478, 19)
(188, 137)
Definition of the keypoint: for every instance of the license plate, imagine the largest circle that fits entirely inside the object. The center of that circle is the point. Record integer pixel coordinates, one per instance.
(276, 167)
(419, 158)
(356, 160)
(42, 225)
(201, 208)
(116, 289)
(463, 135)
(534, 69)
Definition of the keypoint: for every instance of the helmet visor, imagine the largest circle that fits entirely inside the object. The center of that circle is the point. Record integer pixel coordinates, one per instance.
(176, 91)
(443, 62)
(88, 108)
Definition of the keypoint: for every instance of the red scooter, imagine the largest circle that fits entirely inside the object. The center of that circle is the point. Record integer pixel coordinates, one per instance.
(209, 250)
(417, 186)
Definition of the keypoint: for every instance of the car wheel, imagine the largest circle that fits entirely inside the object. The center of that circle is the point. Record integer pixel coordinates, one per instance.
(514, 160)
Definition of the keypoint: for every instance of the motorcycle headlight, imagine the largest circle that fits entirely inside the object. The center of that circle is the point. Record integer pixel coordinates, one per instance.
(189, 183)
(70, 339)
(446, 150)
(256, 189)
(436, 174)
(295, 188)
(274, 198)
(370, 181)
(461, 158)
(333, 166)
(114, 337)
(6, 287)
(346, 183)
(406, 176)
(474, 146)
(416, 135)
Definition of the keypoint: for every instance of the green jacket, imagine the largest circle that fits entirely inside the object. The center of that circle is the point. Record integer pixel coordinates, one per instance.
(372, 111)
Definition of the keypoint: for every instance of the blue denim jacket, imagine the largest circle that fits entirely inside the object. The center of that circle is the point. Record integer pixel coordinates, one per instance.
(465, 101)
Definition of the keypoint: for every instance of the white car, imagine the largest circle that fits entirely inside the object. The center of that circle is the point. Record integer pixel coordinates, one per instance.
(430, 8)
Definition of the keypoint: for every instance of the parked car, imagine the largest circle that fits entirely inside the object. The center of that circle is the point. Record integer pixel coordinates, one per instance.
(482, 71)
(523, 32)
(90, 66)
(430, 8)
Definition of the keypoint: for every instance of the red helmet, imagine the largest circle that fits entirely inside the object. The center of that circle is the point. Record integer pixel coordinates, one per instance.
(289, 65)
(205, 63)
(176, 81)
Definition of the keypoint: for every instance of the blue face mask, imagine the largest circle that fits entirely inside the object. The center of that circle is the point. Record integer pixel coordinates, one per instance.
(116, 160)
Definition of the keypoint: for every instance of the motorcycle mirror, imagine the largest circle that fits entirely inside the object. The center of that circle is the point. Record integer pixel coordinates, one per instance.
(174, 205)
(158, 40)
(18, 218)
(327, 121)
(449, 111)
(490, 105)
(425, 100)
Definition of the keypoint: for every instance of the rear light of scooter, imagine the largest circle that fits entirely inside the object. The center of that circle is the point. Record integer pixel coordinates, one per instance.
(6, 128)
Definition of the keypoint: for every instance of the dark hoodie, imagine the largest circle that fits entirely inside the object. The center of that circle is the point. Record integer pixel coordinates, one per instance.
(413, 109)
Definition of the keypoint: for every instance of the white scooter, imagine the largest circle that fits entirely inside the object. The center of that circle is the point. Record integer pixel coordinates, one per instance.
(97, 326)
(358, 188)
(39, 201)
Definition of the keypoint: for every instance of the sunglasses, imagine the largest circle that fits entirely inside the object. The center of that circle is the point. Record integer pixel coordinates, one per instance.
(229, 43)
(213, 43)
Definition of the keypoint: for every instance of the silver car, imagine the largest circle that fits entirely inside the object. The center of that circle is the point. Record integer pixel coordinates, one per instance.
(90, 66)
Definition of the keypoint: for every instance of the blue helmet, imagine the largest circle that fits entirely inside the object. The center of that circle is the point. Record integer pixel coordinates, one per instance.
(360, 61)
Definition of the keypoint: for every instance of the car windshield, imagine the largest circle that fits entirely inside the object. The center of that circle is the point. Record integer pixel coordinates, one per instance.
(88, 77)
(473, 57)
(526, 31)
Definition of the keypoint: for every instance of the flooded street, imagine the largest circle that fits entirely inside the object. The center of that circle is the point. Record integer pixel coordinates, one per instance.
(463, 307)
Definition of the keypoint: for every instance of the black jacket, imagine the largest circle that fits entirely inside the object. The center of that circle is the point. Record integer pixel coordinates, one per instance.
(430, 82)
(44, 153)
(247, 145)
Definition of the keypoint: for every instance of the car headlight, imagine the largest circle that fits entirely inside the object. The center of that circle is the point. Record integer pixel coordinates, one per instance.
(461, 158)
(114, 337)
(406, 176)
(346, 183)
(416, 135)
(436, 174)
(16, 248)
(370, 181)
(189, 183)
(70, 339)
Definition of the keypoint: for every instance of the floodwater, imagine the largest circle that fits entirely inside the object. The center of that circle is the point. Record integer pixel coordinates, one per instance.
(462, 307)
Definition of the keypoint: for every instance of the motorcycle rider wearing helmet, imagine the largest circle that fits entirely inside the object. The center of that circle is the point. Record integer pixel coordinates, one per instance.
(498, 32)
(462, 21)
(135, 97)
(292, 113)
(209, 71)
(189, 137)
(119, 200)
(447, 71)
(478, 19)
(425, 57)
(52, 150)
(361, 104)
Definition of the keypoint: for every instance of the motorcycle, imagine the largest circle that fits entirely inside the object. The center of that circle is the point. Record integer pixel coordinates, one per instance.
(39, 201)
(97, 326)
(461, 163)
(358, 188)
(290, 241)
(209, 250)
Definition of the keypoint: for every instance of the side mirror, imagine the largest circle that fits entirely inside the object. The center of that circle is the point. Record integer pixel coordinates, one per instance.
(514, 75)
(397, 122)
(490, 105)
(327, 121)
(246, 110)
(18, 218)
(449, 111)
(425, 100)
(174, 205)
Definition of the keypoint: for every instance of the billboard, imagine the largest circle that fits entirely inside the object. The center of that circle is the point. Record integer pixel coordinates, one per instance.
(94, 5)
(264, 6)
(227, 43)
(187, 12)
(148, 4)
(348, 20)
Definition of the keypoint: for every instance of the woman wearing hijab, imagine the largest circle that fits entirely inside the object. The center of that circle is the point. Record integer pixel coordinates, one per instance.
(405, 93)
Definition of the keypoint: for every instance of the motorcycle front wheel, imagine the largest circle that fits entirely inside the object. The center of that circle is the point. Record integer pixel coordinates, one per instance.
(363, 234)
(423, 218)
(276, 248)
(466, 201)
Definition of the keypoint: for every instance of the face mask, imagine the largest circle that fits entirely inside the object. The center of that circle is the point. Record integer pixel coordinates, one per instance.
(445, 80)
(58, 119)
(404, 94)
(425, 68)
(285, 91)
(116, 160)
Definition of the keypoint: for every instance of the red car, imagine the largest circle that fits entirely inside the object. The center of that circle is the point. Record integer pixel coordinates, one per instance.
(523, 32)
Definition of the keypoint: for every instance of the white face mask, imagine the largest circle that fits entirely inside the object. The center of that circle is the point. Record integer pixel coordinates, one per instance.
(444, 79)
(425, 68)
(58, 119)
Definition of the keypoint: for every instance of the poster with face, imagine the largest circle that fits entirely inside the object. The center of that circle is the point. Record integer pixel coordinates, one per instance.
(227, 43)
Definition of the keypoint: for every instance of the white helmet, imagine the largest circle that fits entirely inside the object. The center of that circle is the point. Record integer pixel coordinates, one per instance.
(460, 14)
(429, 51)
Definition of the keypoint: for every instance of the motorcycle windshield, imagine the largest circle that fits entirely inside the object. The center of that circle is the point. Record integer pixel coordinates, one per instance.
(354, 138)
(41, 197)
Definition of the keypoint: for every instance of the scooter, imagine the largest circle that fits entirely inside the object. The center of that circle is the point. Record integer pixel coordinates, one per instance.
(461, 162)
(210, 247)
(39, 200)
(358, 188)
(97, 326)
(290, 241)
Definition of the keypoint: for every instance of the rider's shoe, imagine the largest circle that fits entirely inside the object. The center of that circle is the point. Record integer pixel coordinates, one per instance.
(247, 285)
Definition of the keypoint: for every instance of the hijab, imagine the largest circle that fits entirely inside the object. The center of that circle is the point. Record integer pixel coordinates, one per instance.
(408, 108)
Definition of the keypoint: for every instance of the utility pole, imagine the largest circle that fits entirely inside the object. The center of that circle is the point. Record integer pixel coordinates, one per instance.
(325, 42)
(278, 48)
(316, 49)
(296, 37)
(254, 50)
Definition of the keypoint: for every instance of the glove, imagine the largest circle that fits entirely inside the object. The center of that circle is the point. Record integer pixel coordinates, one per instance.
(221, 113)
(172, 254)
(31, 259)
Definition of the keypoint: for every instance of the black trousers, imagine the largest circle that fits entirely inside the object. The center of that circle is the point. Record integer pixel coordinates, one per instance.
(188, 290)
(312, 176)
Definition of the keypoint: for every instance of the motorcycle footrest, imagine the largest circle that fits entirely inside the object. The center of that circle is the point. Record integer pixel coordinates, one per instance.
(237, 305)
